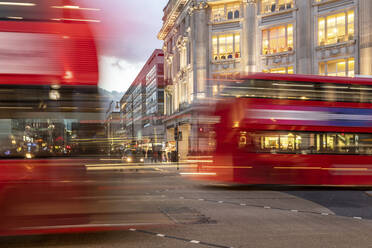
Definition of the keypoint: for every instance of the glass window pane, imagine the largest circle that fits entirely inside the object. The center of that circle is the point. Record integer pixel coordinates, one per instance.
(222, 44)
(351, 71)
(322, 69)
(215, 47)
(341, 68)
(237, 45)
(331, 30)
(229, 43)
(265, 42)
(321, 31)
(350, 25)
(332, 68)
(341, 24)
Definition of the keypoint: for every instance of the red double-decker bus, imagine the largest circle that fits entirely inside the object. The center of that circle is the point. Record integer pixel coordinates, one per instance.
(293, 130)
(49, 108)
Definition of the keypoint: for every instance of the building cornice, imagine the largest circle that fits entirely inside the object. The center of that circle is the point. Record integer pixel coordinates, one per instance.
(171, 18)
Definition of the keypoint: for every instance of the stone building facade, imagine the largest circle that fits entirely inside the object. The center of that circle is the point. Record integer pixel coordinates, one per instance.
(142, 105)
(214, 39)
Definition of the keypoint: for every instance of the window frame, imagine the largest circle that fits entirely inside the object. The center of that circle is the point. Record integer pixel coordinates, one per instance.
(236, 54)
(267, 29)
(347, 36)
(277, 8)
(347, 60)
(286, 68)
(317, 146)
(236, 7)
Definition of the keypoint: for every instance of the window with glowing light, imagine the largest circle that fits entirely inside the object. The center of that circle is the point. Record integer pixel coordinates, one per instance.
(305, 142)
(226, 46)
(336, 28)
(30, 11)
(340, 67)
(269, 6)
(282, 70)
(277, 39)
(225, 12)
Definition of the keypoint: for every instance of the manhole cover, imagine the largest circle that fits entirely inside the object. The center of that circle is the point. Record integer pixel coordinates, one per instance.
(185, 215)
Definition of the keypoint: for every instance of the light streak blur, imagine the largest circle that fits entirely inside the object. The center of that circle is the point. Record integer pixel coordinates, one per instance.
(18, 4)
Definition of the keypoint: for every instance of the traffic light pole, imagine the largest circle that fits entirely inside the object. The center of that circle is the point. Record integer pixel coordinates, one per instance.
(176, 136)
(177, 157)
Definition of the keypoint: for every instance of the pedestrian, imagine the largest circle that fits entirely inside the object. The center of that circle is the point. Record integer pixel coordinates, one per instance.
(155, 156)
(160, 156)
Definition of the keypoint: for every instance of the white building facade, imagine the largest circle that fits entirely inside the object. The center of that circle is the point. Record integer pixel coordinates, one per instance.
(214, 39)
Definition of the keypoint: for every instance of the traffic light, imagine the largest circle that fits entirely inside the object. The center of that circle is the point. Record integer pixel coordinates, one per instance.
(176, 133)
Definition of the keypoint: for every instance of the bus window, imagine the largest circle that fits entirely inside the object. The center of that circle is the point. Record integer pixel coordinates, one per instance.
(35, 10)
(306, 142)
(310, 91)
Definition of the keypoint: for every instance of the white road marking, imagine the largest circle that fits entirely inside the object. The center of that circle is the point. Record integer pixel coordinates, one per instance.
(195, 241)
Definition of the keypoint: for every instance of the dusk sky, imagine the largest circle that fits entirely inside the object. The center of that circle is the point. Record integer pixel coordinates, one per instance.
(130, 36)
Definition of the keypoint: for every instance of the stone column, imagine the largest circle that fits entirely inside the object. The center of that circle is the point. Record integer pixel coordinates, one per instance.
(303, 37)
(249, 37)
(365, 37)
(200, 47)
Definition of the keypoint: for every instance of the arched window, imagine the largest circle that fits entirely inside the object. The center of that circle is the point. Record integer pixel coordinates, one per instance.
(230, 15)
(236, 14)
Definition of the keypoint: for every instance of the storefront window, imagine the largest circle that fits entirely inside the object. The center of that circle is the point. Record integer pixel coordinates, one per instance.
(226, 46)
(277, 39)
(336, 28)
(340, 67)
(283, 70)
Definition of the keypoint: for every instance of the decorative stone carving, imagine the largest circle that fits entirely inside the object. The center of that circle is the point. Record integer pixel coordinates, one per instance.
(182, 42)
(169, 58)
(199, 6)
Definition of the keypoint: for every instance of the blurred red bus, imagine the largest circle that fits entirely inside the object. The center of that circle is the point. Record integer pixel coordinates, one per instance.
(292, 130)
(48, 99)
(46, 43)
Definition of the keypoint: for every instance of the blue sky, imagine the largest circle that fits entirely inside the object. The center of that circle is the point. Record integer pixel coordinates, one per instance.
(131, 28)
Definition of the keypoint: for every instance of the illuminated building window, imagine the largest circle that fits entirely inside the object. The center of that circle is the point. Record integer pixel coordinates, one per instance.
(282, 70)
(226, 46)
(269, 6)
(336, 28)
(277, 39)
(225, 12)
(340, 67)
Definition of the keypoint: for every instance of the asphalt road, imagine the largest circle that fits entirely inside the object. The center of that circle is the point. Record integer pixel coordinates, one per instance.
(161, 208)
